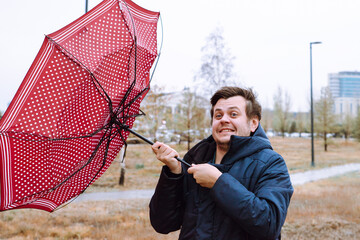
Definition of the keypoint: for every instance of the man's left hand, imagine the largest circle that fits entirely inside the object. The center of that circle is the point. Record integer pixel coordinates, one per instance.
(205, 174)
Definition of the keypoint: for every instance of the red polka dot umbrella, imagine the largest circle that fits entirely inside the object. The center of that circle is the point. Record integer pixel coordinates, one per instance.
(71, 114)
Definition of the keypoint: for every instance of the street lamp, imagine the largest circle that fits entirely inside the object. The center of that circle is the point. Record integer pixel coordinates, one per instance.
(86, 6)
(311, 107)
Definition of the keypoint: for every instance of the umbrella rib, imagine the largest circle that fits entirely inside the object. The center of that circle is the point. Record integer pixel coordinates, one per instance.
(109, 139)
(134, 46)
(88, 162)
(104, 137)
(131, 102)
(107, 98)
(159, 53)
(96, 82)
(48, 138)
(45, 192)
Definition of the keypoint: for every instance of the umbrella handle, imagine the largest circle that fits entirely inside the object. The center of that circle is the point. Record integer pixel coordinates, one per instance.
(152, 143)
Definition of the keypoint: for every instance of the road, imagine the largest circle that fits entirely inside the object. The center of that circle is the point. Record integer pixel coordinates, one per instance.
(296, 179)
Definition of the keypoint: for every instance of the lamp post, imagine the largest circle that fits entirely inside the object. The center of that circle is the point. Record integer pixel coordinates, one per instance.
(86, 6)
(311, 107)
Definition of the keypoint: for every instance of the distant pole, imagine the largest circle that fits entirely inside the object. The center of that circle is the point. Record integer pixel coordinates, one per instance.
(86, 6)
(312, 107)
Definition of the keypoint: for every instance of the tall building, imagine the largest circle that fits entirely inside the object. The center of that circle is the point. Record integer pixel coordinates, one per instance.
(345, 89)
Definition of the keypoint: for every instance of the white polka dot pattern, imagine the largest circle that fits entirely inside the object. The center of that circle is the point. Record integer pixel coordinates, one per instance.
(64, 126)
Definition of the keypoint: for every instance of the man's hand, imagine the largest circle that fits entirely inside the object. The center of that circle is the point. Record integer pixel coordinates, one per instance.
(167, 155)
(205, 174)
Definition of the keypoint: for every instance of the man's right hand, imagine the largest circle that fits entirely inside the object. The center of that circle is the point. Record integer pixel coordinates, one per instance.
(167, 155)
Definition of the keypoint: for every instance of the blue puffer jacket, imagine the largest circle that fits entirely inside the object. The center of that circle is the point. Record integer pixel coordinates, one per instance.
(248, 201)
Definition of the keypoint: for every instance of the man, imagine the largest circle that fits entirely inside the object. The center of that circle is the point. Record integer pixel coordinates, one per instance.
(237, 186)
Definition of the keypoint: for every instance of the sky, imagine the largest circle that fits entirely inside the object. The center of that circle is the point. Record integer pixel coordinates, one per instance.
(268, 38)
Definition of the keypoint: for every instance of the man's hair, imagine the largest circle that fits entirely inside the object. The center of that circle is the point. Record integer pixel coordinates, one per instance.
(253, 107)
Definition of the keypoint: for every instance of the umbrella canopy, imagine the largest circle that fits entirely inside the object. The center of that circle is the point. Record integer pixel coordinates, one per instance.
(68, 120)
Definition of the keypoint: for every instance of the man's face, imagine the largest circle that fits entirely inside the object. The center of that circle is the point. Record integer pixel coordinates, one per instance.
(230, 119)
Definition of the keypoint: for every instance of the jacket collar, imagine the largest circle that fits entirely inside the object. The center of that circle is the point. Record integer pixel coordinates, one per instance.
(241, 147)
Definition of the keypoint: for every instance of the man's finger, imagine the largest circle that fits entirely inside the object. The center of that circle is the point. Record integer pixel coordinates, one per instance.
(191, 169)
(156, 146)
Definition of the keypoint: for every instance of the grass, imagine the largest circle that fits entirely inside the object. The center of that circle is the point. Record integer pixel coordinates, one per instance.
(327, 209)
(108, 220)
(295, 151)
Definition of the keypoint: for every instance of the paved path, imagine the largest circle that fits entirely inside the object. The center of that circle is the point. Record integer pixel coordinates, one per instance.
(296, 179)
(314, 175)
(130, 194)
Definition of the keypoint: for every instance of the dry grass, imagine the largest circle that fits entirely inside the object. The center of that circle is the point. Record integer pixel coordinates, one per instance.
(327, 209)
(142, 167)
(108, 220)
(297, 152)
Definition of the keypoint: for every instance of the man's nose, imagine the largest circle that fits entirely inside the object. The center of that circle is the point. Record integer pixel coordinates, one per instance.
(225, 118)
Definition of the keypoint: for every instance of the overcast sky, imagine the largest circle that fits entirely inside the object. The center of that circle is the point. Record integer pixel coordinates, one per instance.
(269, 38)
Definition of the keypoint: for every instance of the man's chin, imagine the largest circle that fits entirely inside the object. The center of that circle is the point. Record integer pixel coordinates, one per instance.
(224, 140)
(226, 137)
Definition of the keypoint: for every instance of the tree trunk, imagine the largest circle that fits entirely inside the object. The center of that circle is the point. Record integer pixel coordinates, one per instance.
(122, 165)
(188, 142)
(122, 176)
(325, 142)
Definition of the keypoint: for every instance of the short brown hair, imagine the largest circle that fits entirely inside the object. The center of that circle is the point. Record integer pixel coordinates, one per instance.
(253, 107)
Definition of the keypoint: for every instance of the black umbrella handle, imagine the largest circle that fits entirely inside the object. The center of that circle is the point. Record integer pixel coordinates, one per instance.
(152, 143)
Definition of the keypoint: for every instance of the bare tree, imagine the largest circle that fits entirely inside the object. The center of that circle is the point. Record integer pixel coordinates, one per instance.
(300, 122)
(217, 63)
(266, 119)
(324, 116)
(282, 104)
(347, 126)
(292, 127)
(191, 116)
(357, 126)
(154, 106)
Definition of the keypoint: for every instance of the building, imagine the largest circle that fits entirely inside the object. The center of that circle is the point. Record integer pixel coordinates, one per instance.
(345, 89)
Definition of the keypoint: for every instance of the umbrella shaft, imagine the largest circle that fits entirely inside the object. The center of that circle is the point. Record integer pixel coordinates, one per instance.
(152, 143)
(140, 136)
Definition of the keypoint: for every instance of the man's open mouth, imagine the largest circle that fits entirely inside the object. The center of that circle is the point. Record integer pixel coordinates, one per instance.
(226, 130)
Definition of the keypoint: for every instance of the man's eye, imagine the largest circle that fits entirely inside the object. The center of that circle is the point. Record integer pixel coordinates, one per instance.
(234, 114)
(218, 116)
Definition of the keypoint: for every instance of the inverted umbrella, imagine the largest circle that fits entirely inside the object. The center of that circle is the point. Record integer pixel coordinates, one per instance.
(76, 105)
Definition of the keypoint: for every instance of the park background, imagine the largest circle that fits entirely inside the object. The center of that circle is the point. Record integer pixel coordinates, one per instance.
(265, 45)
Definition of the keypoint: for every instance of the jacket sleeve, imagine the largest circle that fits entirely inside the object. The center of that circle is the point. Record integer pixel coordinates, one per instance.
(166, 205)
(260, 213)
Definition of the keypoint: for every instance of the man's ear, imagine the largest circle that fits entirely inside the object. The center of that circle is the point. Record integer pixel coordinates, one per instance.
(254, 123)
